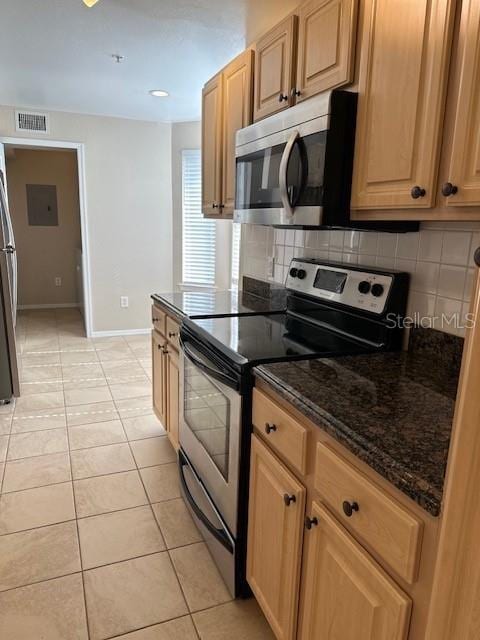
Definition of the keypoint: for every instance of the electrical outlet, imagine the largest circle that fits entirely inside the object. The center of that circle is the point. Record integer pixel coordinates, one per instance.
(124, 302)
(58, 281)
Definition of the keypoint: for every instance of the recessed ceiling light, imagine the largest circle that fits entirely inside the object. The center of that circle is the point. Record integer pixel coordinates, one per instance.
(159, 93)
(90, 3)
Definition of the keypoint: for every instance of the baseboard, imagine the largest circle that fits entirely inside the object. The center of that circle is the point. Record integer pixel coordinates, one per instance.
(124, 332)
(60, 305)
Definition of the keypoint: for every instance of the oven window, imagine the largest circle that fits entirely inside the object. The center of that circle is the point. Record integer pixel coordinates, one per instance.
(207, 413)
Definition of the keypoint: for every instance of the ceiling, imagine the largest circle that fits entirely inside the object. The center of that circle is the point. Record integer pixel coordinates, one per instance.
(56, 54)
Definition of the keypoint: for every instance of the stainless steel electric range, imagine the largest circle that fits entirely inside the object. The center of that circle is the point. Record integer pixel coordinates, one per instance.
(332, 310)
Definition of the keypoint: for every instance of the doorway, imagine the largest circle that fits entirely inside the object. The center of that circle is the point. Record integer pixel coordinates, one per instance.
(45, 187)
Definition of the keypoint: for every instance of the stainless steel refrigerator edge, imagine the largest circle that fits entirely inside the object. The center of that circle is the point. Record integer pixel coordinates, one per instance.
(9, 383)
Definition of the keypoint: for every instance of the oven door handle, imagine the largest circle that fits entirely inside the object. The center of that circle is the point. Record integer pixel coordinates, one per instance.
(218, 534)
(287, 152)
(208, 368)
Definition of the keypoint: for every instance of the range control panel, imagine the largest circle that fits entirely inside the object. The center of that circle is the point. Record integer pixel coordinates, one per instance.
(351, 286)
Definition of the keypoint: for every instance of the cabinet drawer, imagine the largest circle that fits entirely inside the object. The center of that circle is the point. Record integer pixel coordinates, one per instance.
(173, 332)
(385, 525)
(282, 432)
(158, 319)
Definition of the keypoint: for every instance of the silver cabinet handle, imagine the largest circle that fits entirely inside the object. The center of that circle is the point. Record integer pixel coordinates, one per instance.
(287, 152)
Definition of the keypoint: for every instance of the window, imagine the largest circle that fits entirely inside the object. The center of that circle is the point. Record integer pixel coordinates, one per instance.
(199, 235)
(235, 254)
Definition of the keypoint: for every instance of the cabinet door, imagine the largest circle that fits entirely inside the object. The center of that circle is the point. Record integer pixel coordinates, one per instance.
(464, 169)
(173, 395)
(275, 531)
(275, 62)
(326, 45)
(212, 146)
(346, 594)
(158, 377)
(237, 113)
(405, 49)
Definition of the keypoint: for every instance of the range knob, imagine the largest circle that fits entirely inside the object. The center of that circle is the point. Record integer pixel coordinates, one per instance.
(364, 286)
(377, 290)
(293, 272)
(302, 274)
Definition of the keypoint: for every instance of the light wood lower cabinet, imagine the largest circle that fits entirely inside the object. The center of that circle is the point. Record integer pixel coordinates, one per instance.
(173, 386)
(347, 596)
(165, 378)
(158, 376)
(276, 511)
(331, 554)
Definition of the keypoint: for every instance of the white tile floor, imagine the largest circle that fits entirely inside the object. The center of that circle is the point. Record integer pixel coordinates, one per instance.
(95, 541)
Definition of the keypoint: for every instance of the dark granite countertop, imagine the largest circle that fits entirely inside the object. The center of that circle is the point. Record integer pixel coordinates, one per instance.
(393, 410)
(204, 304)
(257, 297)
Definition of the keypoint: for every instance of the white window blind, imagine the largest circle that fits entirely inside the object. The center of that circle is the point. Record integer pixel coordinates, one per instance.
(199, 235)
(236, 228)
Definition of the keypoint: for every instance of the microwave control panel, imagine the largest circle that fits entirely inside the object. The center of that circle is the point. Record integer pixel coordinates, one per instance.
(360, 289)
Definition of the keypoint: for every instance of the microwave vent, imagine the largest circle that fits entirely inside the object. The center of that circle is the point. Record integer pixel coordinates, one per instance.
(31, 121)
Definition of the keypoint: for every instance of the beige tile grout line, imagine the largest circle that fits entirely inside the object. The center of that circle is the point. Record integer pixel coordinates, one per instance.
(87, 424)
(76, 525)
(6, 453)
(185, 615)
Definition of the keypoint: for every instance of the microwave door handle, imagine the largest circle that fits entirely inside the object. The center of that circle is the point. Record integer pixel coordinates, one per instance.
(287, 152)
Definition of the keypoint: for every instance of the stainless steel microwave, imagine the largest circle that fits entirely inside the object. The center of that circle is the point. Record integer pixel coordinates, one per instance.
(295, 167)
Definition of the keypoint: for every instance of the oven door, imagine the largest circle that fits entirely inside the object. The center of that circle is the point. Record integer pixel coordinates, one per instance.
(210, 427)
(280, 178)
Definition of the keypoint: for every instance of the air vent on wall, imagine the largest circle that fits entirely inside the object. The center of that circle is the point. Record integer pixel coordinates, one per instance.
(31, 121)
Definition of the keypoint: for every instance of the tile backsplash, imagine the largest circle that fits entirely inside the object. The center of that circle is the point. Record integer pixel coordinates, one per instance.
(439, 258)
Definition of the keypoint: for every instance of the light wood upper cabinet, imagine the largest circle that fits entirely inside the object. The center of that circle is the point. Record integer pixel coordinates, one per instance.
(346, 594)
(463, 171)
(237, 113)
(326, 45)
(275, 60)
(212, 122)
(275, 532)
(227, 107)
(405, 50)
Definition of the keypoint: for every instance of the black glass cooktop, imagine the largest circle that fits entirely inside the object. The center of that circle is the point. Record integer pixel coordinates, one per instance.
(202, 304)
(252, 340)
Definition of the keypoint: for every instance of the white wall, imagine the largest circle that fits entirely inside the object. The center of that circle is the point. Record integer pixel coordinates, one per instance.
(129, 204)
